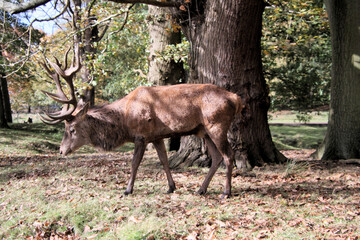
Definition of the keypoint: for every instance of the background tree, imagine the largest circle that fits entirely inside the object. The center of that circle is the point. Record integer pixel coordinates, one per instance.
(3, 121)
(122, 60)
(163, 32)
(342, 140)
(87, 33)
(5, 99)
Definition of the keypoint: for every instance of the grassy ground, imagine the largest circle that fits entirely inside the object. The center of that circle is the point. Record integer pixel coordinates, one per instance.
(44, 196)
(297, 137)
(81, 198)
(295, 117)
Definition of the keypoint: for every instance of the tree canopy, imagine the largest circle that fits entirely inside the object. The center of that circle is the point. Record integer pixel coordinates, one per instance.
(297, 54)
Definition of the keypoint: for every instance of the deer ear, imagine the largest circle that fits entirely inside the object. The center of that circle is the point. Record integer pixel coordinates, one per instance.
(82, 113)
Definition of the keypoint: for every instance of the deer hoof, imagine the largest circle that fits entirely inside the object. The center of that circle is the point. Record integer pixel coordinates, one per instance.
(171, 190)
(127, 192)
(201, 191)
(225, 195)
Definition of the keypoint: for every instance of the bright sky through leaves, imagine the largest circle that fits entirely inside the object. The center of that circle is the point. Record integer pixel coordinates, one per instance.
(43, 12)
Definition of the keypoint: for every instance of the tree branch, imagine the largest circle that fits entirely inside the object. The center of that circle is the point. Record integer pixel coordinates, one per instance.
(150, 2)
(67, 4)
(14, 8)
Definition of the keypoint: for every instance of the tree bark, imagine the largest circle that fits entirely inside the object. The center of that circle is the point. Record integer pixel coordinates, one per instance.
(342, 140)
(6, 100)
(225, 50)
(161, 71)
(3, 122)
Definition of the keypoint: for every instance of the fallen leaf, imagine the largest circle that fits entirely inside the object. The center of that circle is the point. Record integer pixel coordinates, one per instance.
(92, 236)
(37, 224)
(120, 219)
(192, 236)
(134, 219)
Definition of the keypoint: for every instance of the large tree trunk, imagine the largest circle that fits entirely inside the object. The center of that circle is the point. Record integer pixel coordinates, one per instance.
(225, 50)
(161, 71)
(6, 100)
(3, 122)
(342, 140)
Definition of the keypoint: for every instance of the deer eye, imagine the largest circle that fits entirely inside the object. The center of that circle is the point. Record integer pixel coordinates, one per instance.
(72, 131)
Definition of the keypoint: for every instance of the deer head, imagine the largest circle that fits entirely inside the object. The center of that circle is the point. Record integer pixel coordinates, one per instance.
(71, 140)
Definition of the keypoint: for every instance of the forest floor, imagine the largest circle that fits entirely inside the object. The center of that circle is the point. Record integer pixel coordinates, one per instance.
(81, 197)
(44, 196)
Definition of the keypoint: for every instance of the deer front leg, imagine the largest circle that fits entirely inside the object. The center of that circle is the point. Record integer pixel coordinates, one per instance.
(140, 147)
(161, 151)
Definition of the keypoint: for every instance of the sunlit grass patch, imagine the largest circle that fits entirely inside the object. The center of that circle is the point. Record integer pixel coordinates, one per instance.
(297, 137)
(293, 117)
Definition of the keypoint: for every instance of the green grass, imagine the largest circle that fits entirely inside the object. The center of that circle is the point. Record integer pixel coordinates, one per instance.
(297, 137)
(295, 117)
(24, 139)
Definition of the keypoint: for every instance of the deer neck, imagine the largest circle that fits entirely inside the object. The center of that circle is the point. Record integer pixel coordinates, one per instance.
(106, 129)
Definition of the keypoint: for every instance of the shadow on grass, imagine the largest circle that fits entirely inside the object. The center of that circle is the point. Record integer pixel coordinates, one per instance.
(292, 191)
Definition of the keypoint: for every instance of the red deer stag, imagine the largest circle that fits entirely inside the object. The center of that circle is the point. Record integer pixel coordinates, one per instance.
(147, 115)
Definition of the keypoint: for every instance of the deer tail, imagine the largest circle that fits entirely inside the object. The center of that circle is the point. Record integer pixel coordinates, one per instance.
(238, 104)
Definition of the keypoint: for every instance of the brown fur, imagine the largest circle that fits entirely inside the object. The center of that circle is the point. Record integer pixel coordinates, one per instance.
(149, 114)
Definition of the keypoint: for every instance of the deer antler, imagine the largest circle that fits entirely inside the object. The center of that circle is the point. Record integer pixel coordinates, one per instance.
(67, 74)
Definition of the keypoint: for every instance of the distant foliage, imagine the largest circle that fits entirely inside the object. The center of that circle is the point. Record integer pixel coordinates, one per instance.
(17, 44)
(176, 52)
(297, 54)
(122, 63)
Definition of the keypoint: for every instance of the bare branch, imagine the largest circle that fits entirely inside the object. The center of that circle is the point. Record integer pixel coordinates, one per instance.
(98, 39)
(67, 4)
(14, 8)
(150, 2)
(90, 7)
(120, 29)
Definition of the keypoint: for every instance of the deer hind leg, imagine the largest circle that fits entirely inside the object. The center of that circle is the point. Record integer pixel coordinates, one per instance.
(140, 147)
(223, 146)
(161, 151)
(228, 155)
(216, 160)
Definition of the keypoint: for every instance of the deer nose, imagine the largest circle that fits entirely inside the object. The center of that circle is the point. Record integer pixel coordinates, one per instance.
(61, 152)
